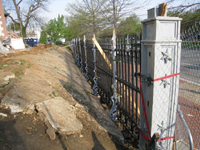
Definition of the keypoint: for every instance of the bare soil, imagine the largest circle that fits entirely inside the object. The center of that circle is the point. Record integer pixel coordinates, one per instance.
(44, 73)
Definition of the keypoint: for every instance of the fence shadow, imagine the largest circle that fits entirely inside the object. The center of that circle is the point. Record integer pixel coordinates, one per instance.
(192, 91)
(97, 144)
(9, 136)
(98, 115)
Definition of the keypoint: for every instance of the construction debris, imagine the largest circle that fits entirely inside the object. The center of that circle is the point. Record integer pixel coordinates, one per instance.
(3, 49)
(51, 112)
(17, 43)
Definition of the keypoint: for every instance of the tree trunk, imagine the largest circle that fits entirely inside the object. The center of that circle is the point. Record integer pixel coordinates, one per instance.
(23, 32)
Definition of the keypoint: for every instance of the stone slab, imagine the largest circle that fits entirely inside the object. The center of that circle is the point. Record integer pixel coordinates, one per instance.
(8, 87)
(60, 115)
(5, 76)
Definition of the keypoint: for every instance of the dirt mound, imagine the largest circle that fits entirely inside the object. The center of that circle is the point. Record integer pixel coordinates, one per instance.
(43, 73)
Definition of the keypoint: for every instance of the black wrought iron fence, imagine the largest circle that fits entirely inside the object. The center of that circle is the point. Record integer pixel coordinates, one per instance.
(127, 67)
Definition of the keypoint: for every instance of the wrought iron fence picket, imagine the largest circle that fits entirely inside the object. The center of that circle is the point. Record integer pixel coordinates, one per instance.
(81, 60)
(95, 79)
(86, 64)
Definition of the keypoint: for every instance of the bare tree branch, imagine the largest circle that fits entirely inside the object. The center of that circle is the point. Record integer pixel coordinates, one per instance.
(24, 16)
(19, 2)
(13, 20)
(183, 7)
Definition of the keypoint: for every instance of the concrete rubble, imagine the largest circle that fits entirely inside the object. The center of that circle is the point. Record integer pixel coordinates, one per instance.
(51, 112)
(3, 115)
(5, 83)
(3, 49)
(17, 43)
(5, 76)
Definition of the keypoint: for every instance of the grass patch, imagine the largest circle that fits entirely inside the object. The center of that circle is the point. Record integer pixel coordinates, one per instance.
(33, 127)
(29, 66)
(1, 140)
(68, 88)
(13, 60)
(18, 73)
(3, 86)
(19, 77)
(77, 92)
(2, 64)
(15, 66)
(22, 61)
(55, 93)
(88, 94)
(131, 148)
(71, 90)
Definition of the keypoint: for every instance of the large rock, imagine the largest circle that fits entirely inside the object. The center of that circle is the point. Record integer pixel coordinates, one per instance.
(60, 115)
(8, 87)
(5, 76)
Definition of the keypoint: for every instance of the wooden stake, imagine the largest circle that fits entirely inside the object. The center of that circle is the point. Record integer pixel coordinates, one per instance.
(102, 52)
(162, 9)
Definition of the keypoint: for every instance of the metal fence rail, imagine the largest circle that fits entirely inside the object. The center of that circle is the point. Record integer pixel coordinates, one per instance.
(127, 66)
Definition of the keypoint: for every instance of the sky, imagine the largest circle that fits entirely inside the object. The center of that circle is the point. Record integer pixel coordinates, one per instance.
(58, 7)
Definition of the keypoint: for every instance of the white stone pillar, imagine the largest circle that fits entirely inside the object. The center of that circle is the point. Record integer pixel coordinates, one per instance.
(161, 47)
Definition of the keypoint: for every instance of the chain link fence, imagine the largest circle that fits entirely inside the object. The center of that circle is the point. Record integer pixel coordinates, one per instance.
(165, 84)
(189, 90)
(159, 90)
